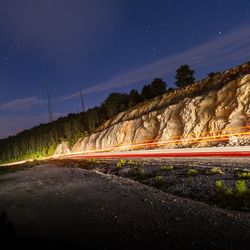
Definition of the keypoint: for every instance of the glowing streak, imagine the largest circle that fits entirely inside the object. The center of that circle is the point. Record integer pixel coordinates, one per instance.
(223, 137)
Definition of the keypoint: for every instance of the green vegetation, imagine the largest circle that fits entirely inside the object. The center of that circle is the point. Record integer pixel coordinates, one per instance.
(130, 162)
(41, 141)
(216, 170)
(120, 164)
(244, 175)
(158, 181)
(192, 172)
(167, 168)
(138, 173)
(238, 198)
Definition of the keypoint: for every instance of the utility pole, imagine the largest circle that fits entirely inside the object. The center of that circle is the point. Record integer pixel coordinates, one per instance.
(49, 106)
(82, 101)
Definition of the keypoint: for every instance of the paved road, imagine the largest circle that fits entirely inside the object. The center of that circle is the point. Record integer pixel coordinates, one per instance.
(97, 210)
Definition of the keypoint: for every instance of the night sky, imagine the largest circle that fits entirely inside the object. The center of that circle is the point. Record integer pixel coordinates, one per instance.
(105, 46)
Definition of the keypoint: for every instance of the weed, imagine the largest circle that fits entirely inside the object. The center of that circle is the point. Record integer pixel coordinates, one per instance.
(158, 181)
(239, 198)
(167, 168)
(192, 172)
(219, 184)
(244, 175)
(120, 164)
(138, 173)
(216, 170)
(130, 162)
(241, 187)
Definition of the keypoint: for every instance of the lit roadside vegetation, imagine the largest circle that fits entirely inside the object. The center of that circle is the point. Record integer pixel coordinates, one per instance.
(167, 168)
(120, 164)
(234, 198)
(216, 170)
(158, 181)
(244, 174)
(192, 172)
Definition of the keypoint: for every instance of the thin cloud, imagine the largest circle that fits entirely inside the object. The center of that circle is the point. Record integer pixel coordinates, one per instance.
(21, 104)
(234, 45)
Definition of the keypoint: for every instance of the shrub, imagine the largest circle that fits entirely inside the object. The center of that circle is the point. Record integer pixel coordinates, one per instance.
(244, 175)
(120, 164)
(158, 181)
(239, 198)
(216, 170)
(192, 172)
(241, 187)
(167, 168)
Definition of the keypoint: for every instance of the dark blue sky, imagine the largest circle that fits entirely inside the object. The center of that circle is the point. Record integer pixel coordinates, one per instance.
(104, 46)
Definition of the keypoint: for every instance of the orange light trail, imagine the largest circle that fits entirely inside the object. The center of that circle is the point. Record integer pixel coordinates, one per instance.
(155, 142)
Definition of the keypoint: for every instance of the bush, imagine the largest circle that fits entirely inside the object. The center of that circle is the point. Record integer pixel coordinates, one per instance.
(239, 198)
(167, 168)
(192, 172)
(120, 164)
(216, 170)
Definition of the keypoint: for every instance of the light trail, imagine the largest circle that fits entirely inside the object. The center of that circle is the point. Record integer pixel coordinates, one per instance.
(224, 137)
(106, 152)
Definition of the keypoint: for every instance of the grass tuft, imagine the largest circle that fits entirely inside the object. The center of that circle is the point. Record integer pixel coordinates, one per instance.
(120, 164)
(192, 172)
(167, 168)
(216, 170)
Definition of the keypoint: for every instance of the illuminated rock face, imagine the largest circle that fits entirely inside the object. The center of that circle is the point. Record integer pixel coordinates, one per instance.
(62, 148)
(199, 121)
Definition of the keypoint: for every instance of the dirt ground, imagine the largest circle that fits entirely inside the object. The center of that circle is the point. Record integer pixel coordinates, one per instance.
(88, 210)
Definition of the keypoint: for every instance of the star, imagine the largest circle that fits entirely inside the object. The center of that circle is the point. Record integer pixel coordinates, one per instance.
(220, 33)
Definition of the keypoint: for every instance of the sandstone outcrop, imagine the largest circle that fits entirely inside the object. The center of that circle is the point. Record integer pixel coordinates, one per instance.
(62, 148)
(211, 112)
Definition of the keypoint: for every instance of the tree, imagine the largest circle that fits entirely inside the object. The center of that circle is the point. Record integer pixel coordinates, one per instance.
(158, 86)
(146, 92)
(184, 76)
(213, 74)
(115, 103)
(134, 98)
(155, 88)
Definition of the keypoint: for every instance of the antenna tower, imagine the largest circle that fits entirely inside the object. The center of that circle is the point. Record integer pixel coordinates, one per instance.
(82, 101)
(49, 106)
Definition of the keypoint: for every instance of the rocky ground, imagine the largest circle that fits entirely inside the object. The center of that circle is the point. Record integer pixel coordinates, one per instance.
(87, 205)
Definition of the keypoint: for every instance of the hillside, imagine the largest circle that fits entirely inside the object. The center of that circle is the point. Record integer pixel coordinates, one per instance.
(219, 102)
(217, 108)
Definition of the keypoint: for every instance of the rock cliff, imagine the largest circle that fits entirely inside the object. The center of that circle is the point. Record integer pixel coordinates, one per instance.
(214, 111)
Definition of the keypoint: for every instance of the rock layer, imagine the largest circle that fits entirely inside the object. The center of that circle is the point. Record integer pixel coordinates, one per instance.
(222, 112)
(217, 117)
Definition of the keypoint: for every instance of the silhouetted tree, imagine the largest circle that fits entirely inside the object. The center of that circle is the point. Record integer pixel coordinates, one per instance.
(212, 74)
(184, 76)
(155, 88)
(134, 98)
(115, 103)
(158, 87)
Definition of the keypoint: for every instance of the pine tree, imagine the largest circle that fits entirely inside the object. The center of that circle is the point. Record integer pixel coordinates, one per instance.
(184, 76)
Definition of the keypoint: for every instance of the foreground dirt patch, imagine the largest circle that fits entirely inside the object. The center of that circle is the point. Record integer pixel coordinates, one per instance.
(97, 210)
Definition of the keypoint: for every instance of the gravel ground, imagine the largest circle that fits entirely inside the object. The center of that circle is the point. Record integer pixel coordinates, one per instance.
(92, 210)
(190, 178)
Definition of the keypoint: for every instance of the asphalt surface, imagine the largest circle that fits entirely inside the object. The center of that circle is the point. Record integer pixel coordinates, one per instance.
(96, 211)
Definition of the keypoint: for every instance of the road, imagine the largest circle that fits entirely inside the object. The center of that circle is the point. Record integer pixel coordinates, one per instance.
(73, 205)
(242, 151)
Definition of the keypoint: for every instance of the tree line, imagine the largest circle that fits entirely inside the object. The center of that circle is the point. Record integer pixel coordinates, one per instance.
(42, 140)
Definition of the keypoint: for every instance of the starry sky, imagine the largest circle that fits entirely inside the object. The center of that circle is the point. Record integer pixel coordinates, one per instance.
(105, 46)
